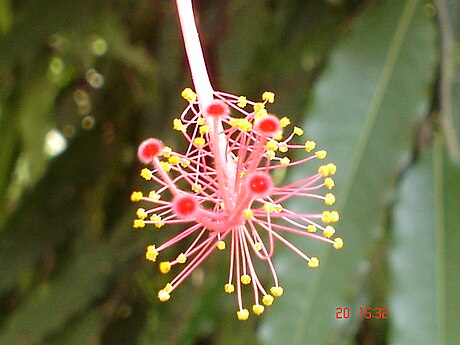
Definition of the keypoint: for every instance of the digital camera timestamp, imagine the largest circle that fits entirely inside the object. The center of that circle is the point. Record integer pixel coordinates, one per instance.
(377, 313)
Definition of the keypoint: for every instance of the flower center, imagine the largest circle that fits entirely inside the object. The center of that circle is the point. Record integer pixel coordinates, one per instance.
(149, 149)
(185, 205)
(268, 126)
(260, 184)
(217, 108)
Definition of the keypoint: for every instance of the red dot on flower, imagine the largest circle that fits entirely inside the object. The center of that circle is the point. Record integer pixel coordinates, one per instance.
(184, 205)
(217, 108)
(149, 149)
(268, 126)
(260, 184)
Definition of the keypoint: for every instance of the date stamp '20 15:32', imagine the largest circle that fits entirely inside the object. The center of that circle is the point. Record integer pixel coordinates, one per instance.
(377, 313)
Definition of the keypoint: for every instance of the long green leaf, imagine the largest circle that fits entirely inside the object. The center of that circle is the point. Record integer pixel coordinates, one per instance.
(365, 108)
(424, 296)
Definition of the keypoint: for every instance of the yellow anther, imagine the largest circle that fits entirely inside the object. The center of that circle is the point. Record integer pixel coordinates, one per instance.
(242, 101)
(184, 163)
(338, 243)
(298, 131)
(269, 207)
(278, 208)
(167, 151)
(168, 287)
(248, 214)
(278, 136)
(258, 309)
(242, 315)
(276, 291)
(221, 245)
(258, 107)
(179, 126)
(283, 147)
(258, 246)
(309, 145)
(136, 196)
(181, 258)
(268, 96)
(188, 95)
(141, 214)
(285, 161)
(155, 218)
(267, 300)
(314, 262)
(165, 267)
(174, 160)
(200, 121)
(329, 182)
(204, 129)
(271, 145)
(242, 124)
(163, 295)
(271, 154)
(138, 223)
(222, 205)
(199, 142)
(321, 154)
(166, 166)
(196, 187)
(311, 228)
(146, 174)
(154, 195)
(329, 231)
(159, 224)
(334, 216)
(329, 199)
(229, 288)
(151, 253)
(246, 279)
(261, 113)
(284, 122)
(330, 217)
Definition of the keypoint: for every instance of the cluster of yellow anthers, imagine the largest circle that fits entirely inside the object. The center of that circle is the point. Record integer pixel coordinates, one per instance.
(222, 188)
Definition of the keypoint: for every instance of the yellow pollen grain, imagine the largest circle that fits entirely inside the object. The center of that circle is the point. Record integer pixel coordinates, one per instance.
(163, 295)
(167, 151)
(199, 142)
(271, 145)
(267, 300)
(146, 174)
(159, 224)
(221, 245)
(283, 147)
(269, 207)
(184, 163)
(285, 161)
(164, 267)
(168, 287)
(165, 166)
(138, 223)
(284, 122)
(188, 95)
(154, 195)
(258, 309)
(334, 216)
(311, 228)
(258, 246)
(242, 101)
(329, 199)
(204, 129)
(258, 106)
(179, 126)
(298, 131)
(328, 231)
(314, 262)
(141, 214)
(271, 154)
(246, 279)
(338, 243)
(329, 182)
(181, 258)
(242, 314)
(248, 214)
(229, 288)
(136, 196)
(260, 114)
(268, 96)
(196, 187)
(277, 291)
(309, 145)
(151, 253)
(321, 154)
(200, 121)
(174, 160)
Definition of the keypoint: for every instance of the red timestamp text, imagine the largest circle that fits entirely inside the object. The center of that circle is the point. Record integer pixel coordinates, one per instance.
(367, 313)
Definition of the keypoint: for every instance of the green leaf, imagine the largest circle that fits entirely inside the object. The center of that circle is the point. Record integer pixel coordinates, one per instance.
(424, 296)
(365, 109)
(449, 17)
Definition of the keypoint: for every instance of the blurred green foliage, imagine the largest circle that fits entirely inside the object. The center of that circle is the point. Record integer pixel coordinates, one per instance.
(83, 82)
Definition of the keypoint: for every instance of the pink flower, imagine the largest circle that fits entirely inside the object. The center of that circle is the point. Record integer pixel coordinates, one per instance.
(223, 190)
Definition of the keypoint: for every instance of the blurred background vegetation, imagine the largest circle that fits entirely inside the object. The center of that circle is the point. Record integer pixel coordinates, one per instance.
(376, 83)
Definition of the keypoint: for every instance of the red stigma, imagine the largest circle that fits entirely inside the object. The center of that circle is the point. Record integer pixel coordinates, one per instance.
(217, 108)
(260, 184)
(268, 126)
(184, 205)
(149, 149)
